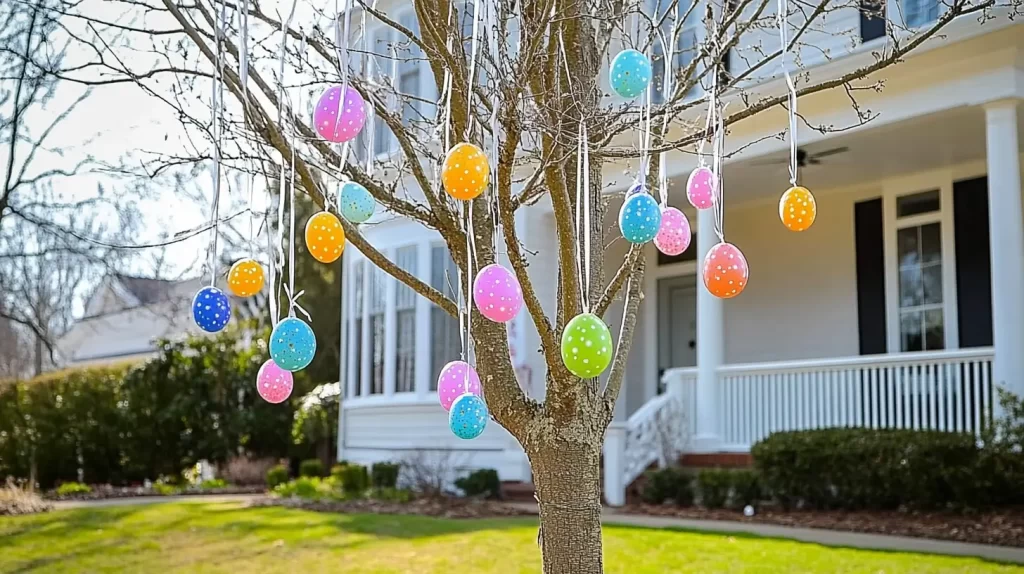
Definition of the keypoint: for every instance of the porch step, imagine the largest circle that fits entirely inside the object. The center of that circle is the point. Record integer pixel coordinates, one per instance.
(517, 491)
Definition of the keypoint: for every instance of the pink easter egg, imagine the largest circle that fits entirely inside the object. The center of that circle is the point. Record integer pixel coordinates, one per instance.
(456, 379)
(339, 119)
(273, 383)
(700, 188)
(674, 234)
(497, 294)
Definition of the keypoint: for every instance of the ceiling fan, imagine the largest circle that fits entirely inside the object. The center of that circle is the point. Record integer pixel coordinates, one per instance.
(804, 159)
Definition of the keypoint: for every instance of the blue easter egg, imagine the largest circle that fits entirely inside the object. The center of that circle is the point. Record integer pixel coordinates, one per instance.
(211, 309)
(640, 218)
(630, 74)
(468, 416)
(292, 344)
(357, 204)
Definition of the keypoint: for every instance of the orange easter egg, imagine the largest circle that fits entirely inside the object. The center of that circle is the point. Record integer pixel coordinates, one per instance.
(245, 278)
(465, 173)
(797, 209)
(325, 238)
(725, 271)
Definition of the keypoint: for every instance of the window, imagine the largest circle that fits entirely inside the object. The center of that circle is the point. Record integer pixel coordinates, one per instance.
(405, 321)
(920, 12)
(356, 330)
(377, 340)
(918, 203)
(445, 344)
(920, 268)
(687, 42)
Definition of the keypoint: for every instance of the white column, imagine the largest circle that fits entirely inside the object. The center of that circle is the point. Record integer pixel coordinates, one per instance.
(1006, 240)
(615, 464)
(423, 345)
(709, 343)
(390, 330)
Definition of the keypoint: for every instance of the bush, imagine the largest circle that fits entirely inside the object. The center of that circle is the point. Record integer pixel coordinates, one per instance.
(714, 486)
(878, 468)
(312, 467)
(483, 482)
(401, 495)
(277, 475)
(668, 484)
(306, 488)
(245, 471)
(354, 479)
(16, 500)
(213, 484)
(73, 488)
(746, 487)
(384, 475)
(163, 489)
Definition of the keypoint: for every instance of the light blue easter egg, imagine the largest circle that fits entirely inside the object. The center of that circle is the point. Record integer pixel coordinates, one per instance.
(211, 309)
(292, 344)
(468, 416)
(640, 218)
(357, 204)
(630, 74)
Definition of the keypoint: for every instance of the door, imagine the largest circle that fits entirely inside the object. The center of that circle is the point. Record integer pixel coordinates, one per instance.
(677, 324)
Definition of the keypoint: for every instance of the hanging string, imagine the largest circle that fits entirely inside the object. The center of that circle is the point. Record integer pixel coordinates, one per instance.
(667, 48)
(491, 21)
(472, 70)
(341, 41)
(715, 122)
(290, 290)
(365, 67)
(217, 99)
(278, 263)
(243, 58)
(781, 17)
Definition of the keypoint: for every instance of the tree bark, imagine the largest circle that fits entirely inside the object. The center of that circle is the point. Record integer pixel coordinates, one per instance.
(566, 474)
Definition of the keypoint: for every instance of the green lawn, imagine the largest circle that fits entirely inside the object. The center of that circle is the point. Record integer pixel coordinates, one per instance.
(225, 537)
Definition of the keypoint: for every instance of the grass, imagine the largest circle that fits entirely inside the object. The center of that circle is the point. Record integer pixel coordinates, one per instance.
(201, 537)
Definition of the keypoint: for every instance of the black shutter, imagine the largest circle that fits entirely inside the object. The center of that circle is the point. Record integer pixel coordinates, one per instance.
(872, 20)
(973, 263)
(867, 216)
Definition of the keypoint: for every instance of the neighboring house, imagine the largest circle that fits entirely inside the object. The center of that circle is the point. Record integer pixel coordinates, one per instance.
(901, 307)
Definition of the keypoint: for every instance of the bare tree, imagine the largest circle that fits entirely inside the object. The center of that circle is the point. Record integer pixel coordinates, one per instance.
(533, 89)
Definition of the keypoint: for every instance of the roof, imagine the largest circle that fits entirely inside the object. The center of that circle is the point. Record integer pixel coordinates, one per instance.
(148, 290)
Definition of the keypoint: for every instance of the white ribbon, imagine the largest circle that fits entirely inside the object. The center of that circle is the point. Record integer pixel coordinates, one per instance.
(781, 16)
(217, 96)
(293, 302)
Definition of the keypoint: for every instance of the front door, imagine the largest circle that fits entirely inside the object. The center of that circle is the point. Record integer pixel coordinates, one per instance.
(677, 323)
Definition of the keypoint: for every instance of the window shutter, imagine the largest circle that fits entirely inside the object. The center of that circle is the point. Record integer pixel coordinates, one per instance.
(973, 262)
(870, 277)
(872, 19)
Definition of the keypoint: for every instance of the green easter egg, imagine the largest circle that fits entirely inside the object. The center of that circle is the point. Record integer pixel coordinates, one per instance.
(586, 346)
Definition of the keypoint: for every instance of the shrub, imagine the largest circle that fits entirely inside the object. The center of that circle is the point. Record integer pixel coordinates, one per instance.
(354, 479)
(306, 487)
(714, 486)
(401, 495)
(213, 484)
(16, 500)
(277, 475)
(483, 482)
(668, 484)
(163, 489)
(384, 475)
(746, 487)
(312, 467)
(245, 471)
(73, 488)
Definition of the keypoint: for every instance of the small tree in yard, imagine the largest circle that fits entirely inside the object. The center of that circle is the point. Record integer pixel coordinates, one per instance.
(537, 79)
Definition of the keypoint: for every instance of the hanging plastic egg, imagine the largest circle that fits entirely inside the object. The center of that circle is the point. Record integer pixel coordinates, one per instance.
(273, 383)
(338, 119)
(457, 378)
(468, 417)
(497, 294)
(725, 271)
(700, 188)
(640, 218)
(325, 238)
(292, 344)
(797, 209)
(211, 309)
(586, 346)
(674, 235)
(357, 205)
(630, 73)
(465, 173)
(245, 278)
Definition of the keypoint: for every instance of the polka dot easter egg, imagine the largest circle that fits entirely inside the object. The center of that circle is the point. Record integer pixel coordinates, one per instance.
(468, 417)
(700, 188)
(497, 294)
(725, 271)
(465, 172)
(630, 73)
(456, 379)
(339, 119)
(674, 235)
(586, 346)
(245, 278)
(211, 309)
(357, 205)
(273, 383)
(325, 238)
(639, 218)
(292, 344)
(797, 209)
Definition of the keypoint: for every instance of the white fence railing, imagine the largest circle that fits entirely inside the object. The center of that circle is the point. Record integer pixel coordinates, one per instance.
(658, 430)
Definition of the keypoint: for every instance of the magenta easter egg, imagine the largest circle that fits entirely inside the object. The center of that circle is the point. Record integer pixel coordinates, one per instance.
(674, 234)
(456, 379)
(700, 188)
(273, 383)
(338, 119)
(497, 294)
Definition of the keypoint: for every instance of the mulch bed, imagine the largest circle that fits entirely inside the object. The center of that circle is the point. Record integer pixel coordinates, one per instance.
(106, 492)
(1003, 527)
(437, 507)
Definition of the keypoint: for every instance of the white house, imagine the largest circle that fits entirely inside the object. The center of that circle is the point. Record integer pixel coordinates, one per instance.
(901, 307)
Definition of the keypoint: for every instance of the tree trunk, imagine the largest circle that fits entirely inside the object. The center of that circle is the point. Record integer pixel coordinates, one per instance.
(567, 475)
